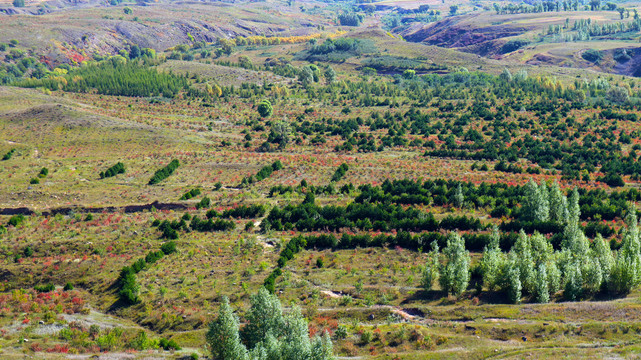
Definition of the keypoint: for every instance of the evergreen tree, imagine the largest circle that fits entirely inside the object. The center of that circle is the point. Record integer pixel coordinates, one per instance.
(265, 109)
(265, 317)
(222, 337)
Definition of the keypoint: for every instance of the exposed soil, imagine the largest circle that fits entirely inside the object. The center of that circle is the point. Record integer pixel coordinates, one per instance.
(454, 33)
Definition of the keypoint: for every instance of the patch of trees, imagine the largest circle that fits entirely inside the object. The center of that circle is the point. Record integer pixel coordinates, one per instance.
(119, 168)
(340, 172)
(165, 172)
(211, 224)
(364, 216)
(350, 19)
(419, 242)
(267, 331)
(262, 174)
(293, 247)
(513, 45)
(190, 194)
(240, 212)
(129, 289)
(113, 77)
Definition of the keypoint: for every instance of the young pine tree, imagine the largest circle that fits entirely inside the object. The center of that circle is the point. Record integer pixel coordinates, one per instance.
(222, 337)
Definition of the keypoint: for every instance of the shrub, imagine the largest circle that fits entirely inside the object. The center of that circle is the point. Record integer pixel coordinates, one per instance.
(204, 203)
(265, 109)
(45, 288)
(119, 168)
(168, 248)
(16, 220)
(9, 154)
(190, 194)
(592, 55)
(168, 344)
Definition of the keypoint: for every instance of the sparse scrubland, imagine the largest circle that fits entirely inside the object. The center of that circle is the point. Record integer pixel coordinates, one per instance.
(303, 180)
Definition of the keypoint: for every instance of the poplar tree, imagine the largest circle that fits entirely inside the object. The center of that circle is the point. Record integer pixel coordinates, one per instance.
(455, 273)
(491, 261)
(541, 289)
(558, 204)
(430, 272)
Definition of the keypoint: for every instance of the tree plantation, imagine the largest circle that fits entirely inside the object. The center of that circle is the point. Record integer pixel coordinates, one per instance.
(320, 180)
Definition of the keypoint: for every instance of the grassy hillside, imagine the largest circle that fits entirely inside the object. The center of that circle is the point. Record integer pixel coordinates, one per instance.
(462, 185)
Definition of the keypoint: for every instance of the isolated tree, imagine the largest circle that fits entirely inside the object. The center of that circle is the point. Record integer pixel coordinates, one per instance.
(265, 109)
(18, 3)
(454, 274)
(127, 10)
(453, 9)
(222, 337)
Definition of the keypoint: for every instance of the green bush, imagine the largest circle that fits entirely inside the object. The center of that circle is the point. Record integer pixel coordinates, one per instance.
(164, 173)
(119, 168)
(9, 154)
(45, 288)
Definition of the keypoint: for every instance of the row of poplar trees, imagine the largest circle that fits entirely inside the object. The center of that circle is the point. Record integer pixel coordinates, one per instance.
(533, 268)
